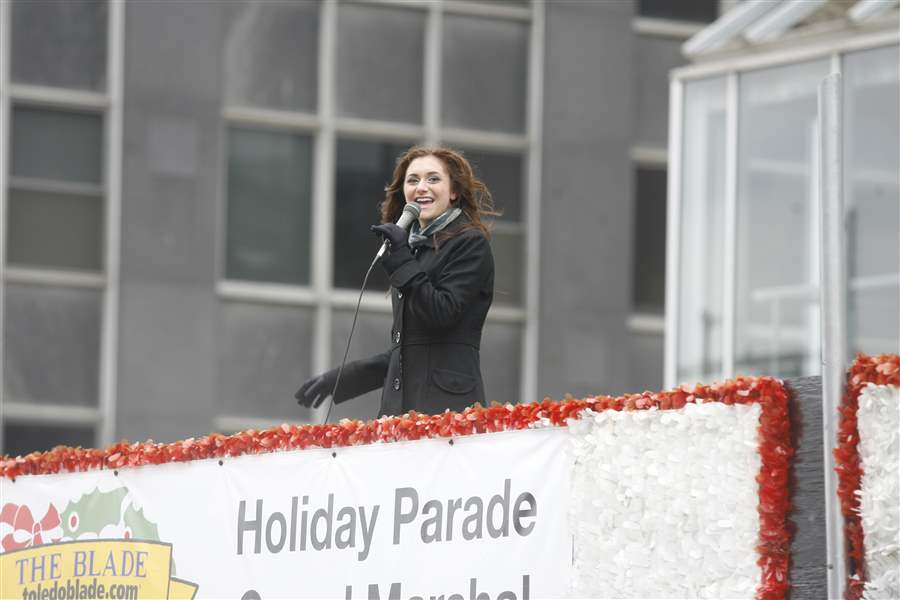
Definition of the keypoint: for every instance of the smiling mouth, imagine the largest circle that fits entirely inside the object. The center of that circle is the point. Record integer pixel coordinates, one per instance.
(424, 201)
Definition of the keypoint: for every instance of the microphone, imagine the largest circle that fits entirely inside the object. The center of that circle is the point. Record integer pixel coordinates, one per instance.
(410, 214)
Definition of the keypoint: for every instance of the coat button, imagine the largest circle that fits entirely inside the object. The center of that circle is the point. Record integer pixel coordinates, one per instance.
(396, 383)
(396, 337)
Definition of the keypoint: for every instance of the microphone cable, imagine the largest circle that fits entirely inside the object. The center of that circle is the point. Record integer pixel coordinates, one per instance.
(410, 213)
(337, 381)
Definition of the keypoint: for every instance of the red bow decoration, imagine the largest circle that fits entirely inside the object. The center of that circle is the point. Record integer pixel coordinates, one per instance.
(19, 529)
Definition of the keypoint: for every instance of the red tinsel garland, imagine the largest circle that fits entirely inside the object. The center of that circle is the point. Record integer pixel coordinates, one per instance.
(880, 370)
(774, 446)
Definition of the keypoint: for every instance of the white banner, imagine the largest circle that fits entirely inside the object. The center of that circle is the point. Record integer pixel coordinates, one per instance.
(481, 518)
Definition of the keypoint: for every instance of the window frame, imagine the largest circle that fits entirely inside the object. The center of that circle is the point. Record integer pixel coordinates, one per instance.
(107, 104)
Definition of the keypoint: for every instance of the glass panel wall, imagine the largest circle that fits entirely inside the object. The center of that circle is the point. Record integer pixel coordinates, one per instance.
(702, 226)
(777, 266)
(872, 199)
(776, 291)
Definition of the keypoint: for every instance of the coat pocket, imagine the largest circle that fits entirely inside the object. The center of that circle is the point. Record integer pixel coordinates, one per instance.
(453, 382)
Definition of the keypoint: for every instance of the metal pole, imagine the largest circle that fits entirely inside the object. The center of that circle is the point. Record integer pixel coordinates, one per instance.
(729, 280)
(833, 295)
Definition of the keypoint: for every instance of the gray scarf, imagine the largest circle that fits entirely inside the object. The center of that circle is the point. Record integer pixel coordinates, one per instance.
(417, 237)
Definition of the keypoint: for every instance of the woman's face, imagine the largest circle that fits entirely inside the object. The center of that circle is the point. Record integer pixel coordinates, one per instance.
(428, 185)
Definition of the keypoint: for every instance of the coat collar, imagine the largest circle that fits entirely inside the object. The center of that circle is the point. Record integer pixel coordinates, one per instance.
(452, 229)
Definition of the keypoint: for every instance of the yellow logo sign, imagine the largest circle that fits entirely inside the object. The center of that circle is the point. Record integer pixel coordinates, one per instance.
(92, 570)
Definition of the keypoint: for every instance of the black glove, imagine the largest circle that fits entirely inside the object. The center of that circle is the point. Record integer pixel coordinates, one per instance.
(396, 236)
(313, 393)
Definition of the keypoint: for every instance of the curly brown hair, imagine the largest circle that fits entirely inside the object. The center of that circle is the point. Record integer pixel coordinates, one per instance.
(472, 196)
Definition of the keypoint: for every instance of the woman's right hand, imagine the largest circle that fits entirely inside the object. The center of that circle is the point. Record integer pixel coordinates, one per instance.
(313, 393)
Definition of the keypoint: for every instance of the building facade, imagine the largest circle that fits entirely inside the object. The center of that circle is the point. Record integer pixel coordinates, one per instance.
(186, 190)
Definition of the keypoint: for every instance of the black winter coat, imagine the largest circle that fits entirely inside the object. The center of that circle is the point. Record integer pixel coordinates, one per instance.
(440, 297)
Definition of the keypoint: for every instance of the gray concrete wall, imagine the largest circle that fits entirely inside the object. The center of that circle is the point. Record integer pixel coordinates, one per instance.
(171, 171)
(586, 196)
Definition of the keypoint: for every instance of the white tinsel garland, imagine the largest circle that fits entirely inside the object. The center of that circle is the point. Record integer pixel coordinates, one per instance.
(664, 503)
(878, 419)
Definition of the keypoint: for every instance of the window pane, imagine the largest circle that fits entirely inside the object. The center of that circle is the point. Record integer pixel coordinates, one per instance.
(271, 54)
(485, 73)
(501, 357)
(649, 293)
(503, 173)
(700, 275)
(372, 336)
(19, 439)
(776, 324)
(52, 343)
(507, 245)
(55, 144)
(269, 186)
(504, 176)
(364, 168)
(872, 184)
(379, 62)
(264, 355)
(60, 43)
(55, 230)
(704, 11)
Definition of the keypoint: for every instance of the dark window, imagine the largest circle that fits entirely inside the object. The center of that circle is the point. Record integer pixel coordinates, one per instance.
(363, 169)
(269, 191)
(55, 193)
(503, 173)
(55, 230)
(58, 145)
(20, 439)
(702, 11)
(649, 291)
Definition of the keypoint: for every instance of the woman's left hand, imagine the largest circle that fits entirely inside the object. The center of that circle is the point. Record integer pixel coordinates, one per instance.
(393, 233)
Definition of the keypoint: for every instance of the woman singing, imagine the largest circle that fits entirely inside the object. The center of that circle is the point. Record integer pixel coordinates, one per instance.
(442, 285)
